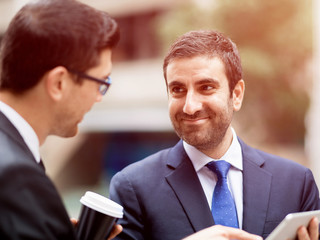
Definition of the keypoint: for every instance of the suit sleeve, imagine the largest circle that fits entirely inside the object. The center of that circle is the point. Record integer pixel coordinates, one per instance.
(310, 197)
(122, 192)
(30, 207)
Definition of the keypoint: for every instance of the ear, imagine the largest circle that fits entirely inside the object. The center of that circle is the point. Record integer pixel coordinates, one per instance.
(237, 95)
(56, 81)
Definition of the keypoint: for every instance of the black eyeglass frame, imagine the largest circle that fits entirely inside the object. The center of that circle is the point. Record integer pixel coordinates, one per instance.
(103, 82)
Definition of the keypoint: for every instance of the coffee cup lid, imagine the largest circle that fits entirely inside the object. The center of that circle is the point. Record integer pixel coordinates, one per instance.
(102, 204)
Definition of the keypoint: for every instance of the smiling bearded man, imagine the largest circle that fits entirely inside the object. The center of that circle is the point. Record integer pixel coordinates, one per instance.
(210, 173)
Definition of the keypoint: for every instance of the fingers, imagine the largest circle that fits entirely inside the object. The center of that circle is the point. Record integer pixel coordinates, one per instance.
(74, 221)
(234, 233)
(117, 228)
(303, 233)
(313, 229)
(219, 232)
(310, 233)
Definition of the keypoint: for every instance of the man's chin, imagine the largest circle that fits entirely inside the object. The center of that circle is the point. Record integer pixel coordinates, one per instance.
(70, 133)
(196, 141)
(75, 132)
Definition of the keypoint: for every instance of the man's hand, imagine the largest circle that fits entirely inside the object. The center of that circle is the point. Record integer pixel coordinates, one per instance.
(74, 222)
(311, 232)
(117, 228)
(218, 232)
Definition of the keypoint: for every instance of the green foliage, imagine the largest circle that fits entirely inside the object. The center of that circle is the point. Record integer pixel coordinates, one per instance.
(274, 38)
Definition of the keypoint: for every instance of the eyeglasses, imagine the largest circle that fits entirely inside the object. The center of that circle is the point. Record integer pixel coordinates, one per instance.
(104, 83)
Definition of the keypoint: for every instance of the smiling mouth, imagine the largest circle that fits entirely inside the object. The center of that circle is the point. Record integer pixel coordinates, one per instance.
(194, 120)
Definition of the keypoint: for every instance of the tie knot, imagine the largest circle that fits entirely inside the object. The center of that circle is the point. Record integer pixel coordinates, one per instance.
(220, 168)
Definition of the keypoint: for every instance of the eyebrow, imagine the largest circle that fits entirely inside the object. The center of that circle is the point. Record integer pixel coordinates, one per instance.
(200, 82)
(175, 83)
(208, 80)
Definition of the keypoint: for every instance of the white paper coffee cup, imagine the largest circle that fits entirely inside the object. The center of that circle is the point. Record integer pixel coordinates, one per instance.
(102, 204)
(98, 214)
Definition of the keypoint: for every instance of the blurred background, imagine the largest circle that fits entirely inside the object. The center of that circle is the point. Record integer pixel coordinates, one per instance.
(279, 43)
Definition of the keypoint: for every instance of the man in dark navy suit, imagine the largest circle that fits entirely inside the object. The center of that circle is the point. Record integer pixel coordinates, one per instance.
(169, 194)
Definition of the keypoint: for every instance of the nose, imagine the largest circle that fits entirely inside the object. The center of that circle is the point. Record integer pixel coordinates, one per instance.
(192, 103)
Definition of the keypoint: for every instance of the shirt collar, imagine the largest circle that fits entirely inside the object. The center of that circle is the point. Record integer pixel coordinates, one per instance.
(24, 128)
(232, 156)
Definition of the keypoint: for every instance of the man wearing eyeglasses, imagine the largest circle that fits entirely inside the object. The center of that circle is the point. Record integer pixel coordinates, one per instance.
(55, 64)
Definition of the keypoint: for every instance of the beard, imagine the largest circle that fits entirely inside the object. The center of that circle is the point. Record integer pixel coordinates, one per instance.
(206, 136)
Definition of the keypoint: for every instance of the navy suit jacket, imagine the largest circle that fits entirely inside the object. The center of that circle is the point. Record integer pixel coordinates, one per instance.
(163, 198)
(30, 206)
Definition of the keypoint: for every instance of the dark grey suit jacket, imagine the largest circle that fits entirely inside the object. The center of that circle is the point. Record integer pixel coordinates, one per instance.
(30, 206)
(163, 198)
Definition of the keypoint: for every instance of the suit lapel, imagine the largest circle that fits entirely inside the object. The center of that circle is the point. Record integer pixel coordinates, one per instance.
(256, 190)
(7, 127)
(186, 185)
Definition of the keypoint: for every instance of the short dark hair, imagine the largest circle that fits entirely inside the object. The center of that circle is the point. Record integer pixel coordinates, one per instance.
(45, 34)
(211, 44)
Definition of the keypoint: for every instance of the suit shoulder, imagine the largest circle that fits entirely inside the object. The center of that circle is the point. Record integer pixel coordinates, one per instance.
(269, 160)
(11, 152)
(152, 161)
(153, 168)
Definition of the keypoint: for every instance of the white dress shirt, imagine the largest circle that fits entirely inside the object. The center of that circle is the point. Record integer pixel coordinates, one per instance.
(24, 128)
(208, 179)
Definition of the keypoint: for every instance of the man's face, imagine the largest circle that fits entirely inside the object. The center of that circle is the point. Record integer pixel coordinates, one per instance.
(200, 105)
(82, 97)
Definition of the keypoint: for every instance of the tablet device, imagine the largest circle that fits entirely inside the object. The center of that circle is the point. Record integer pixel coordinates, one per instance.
(287, 229)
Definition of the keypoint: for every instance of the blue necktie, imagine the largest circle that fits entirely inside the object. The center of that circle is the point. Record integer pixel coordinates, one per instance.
(223, 207)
